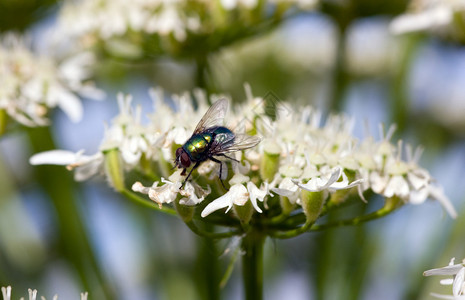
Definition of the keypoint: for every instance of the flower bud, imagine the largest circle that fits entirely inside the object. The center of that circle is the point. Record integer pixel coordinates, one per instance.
(340, 196)
(113, 168)
(312, 203)
(3, 121)
(269, 164)
(286, 205)
(393, 203)
(244, 212)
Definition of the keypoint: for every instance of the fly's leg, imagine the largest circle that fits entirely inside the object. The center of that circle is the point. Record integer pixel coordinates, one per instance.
(221, 170)
(184, 173)
(224, 155)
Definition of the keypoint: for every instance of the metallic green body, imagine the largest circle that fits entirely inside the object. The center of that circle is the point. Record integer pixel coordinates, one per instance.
(198, 145)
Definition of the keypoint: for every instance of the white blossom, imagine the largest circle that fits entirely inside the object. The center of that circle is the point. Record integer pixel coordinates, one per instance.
(192, 193)
(85, 166)
(171, 21)
(6, 292)
(259, 194)
(125, 134)
(166, 193)
(431, 15)
(457, 282)
(32, 84)
(329, 181)
(309, 155)
(237, 195)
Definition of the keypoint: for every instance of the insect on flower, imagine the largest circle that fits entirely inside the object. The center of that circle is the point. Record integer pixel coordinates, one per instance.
(211, 140)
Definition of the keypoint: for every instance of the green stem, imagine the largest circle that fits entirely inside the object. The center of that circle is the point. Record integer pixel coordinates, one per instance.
(400, 98)
(390, 206)
(3, 121)
(212, 235)
(340, 77)
(252, 265)
(283, 221)
(201, 71)
(293, 232)
(74, 240)
(207, 271)
(230, 268)
(225, 220)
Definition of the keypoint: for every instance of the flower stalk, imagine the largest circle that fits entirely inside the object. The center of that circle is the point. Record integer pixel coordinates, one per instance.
(3, 121)
(252, 264)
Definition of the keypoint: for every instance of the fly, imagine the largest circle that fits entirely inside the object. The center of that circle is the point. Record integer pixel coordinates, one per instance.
(211, 140)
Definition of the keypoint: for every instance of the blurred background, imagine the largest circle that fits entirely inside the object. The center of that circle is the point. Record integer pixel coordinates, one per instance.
(63, 237)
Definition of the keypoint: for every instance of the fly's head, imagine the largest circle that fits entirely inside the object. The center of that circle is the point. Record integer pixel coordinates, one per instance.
(183, 160)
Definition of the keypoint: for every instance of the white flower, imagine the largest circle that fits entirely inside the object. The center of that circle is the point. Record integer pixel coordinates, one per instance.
(328, 181)
(166, 193)
(287, 188)
(126, 134)
(237, 195)
(33, 294)
(259, 194)
(232, 4)
(85, 166)
(32, 84)
(431, 15)
(458, 281)
(299, 152)
(170, 21)
(386, 173)
(6, 293)
(193, 194)
(439, 296)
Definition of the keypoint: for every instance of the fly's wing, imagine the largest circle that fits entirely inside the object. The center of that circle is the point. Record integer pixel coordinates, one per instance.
(213, 117)
(238, 142)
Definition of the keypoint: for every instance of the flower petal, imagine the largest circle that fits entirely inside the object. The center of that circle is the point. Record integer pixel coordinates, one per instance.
(448, 270)
(418, 196)
(397, 185)
(340, 185)
(237, 194)
(54, 157)
(438, 194)
(68, 102)
(459, 281)
(256, 193)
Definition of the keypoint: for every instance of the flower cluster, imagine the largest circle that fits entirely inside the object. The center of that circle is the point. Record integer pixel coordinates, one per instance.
(301, 164)
(439, 16)
(457, 271)
(32, 84)
(162, 26)
(6, 292)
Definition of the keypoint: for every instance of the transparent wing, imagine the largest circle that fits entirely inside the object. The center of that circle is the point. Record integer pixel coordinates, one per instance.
(213, 117)
(240, 142)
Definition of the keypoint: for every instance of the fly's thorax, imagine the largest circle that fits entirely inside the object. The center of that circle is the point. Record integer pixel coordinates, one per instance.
(222, 134)
(197, 146)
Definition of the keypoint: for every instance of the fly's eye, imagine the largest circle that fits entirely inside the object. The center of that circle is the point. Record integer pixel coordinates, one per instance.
(185, 160)
(178, 152)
